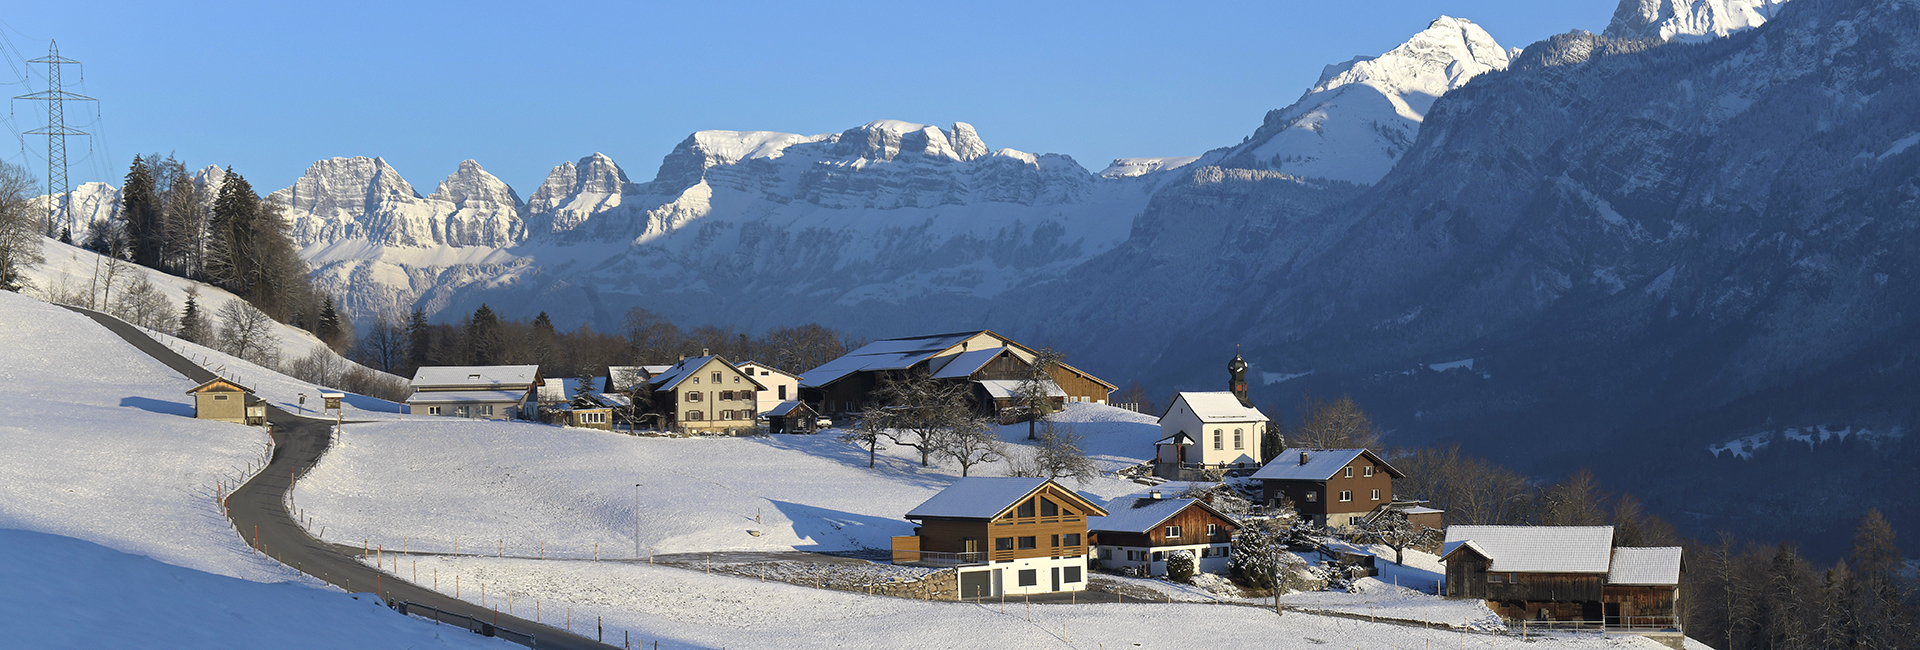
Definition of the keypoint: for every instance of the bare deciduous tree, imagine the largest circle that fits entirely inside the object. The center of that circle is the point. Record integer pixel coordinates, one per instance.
(1339, 424)
(247, 333)
(973, 442)
(921, 412)
(141, 303)
(1034, 394)
(19, 230)
(1057, 456)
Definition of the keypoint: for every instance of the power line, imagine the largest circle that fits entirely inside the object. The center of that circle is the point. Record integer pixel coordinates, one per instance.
(56, 130)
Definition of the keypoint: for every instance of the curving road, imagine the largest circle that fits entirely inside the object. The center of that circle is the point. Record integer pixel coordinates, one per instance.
(261, 518)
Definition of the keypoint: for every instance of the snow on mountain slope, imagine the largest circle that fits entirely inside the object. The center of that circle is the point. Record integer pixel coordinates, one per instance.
(1354, 124)
(1131, 167)
(365, 199)
(1689, 21)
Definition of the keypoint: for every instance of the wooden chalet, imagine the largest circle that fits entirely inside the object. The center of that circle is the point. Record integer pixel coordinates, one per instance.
(1142, 529)
(988, 360)
(1564, 573)
(220, 399)
(1329, 487)
(1005, 536)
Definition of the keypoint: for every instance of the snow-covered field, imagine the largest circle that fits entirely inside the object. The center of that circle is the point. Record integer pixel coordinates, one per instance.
(111, 534)
(534, 488)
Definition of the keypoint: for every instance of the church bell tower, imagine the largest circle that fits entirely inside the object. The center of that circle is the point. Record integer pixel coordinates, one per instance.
(1237, 381)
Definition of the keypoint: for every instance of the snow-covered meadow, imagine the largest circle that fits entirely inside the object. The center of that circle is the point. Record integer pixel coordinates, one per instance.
(108, 518)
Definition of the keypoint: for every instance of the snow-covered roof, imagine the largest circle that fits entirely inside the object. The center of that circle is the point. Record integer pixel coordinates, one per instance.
(561, 389)
(1321, 464)
(465, 396)
(679, 372)
(474, 376)
(1010, 388)
(622, 378)
(979, 497)
(888, 354)
(1648, 565)
(1219, 406)
(1137, 513)
(611, 399)
(966, 363)
(1537, 549)
(765, 367)
(783, 408)
(211, 384)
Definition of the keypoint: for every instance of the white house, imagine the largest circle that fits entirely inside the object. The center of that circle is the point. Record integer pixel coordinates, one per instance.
(780, 385)
(1210, 428)
(488, 392)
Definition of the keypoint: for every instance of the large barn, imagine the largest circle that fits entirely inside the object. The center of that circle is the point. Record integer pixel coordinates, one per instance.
(989, 361)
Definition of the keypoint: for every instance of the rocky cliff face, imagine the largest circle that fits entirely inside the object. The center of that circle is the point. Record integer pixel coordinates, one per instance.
(1690, 21)
(364, 199)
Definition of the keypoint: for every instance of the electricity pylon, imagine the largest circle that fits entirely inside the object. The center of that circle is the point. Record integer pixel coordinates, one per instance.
(56, 130)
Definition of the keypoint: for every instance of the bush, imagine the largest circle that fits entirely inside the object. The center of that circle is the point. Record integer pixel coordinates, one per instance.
(1180, 566)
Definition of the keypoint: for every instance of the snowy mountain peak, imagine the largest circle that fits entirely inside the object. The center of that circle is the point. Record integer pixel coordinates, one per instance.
(472, 183)
(1689, 21)
(575, 191)
(1131, 167)
(1362, 114)
(362, 198)
(887, 139)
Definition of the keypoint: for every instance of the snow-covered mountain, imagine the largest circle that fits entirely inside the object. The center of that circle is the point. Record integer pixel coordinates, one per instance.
(1689, 21)
(1356, 121)
(366, 199)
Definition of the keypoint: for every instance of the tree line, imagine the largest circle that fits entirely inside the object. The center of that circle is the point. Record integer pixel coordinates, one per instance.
(483, 337)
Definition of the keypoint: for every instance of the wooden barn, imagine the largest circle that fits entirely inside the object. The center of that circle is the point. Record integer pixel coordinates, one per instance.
(1564, 573)
(988, 360)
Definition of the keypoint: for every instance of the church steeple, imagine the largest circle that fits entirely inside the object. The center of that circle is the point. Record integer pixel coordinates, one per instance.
(1237, 381)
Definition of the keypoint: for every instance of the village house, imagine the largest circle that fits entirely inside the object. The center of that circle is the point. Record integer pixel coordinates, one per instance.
(488, 392)
(219, 399)
(1141, 530)
(705, 394)
(781, 386)
(1564, 573)
(1333, 488)
(1210, 430)
(1004, 535)
(981, 357)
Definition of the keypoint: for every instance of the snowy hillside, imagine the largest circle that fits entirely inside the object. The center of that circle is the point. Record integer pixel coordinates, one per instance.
(1358, 119)
(1689, 21)
(108, 510)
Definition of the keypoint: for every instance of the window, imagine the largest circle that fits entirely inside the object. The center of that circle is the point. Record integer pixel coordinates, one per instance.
(725, 395)
(1495, 577)
(1346, 495)
(1073, 574)
(1029, 577)
(1071, 539)
(1173, 532)
(1213, 529)
(219, 398)
(1376, 494)
(693, 396)
(1237, 440)
(783, 392)
(1348, 473)
(1159, 556)
(726, 415)
(1367, 471)
(1313, 497)
(1003, 543)
(736, 379)
(1025, 509)
(716, 377)
(764, 373)
(1106, 554)
(486, 409)
(1029, 542)
(1353, 521)
(1217, 439)
(433, 410)
(696, 379)
(1049, 508)
(695, 415)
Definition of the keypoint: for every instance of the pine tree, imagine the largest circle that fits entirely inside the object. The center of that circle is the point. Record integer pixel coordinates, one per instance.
(483, 334)
(230, 237)
(193, 324)
(140, 214)
(419, 338)
(328, 325)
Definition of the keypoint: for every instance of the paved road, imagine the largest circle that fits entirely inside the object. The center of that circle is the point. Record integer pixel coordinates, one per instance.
(259, 514)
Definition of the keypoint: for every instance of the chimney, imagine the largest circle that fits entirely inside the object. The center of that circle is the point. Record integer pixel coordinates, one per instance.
(703, 352)
(1303, 458)
(1154, 494)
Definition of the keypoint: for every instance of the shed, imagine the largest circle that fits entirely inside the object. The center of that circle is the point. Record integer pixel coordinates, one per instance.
(791, 416)
(220, 399)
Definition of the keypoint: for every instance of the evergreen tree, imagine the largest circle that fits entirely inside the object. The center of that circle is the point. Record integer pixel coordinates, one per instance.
(483, 336)
(193, 324)
(328, 325)
(140, 214)
(230, 234)
(419, 338)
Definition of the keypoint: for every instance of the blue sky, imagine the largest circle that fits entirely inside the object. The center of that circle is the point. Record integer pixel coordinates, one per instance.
(269, 87)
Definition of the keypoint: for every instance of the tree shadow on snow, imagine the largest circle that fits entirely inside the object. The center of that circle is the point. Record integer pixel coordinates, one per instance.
(837, 530)
(157, 406)
(894, 468)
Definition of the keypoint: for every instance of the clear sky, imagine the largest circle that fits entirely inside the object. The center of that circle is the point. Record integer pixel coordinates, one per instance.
(270, 87)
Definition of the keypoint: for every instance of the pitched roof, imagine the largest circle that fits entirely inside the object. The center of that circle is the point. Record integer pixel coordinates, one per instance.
(764, 366)
(1139, 514)
(984, 497)
(1536, 549)
(886, 354)
(783, 408)
(1178, 438)
(474, 376)
(561, 389)
(966, 363)
(1218, 406)
(1010, 388)
(1321, 464)
(460, 396)
(679, 372)
(216, 382)
(1649, 565)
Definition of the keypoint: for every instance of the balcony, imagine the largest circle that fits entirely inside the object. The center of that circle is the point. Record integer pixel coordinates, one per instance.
(937, 558)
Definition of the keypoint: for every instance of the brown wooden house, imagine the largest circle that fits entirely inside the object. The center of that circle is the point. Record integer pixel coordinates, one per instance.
(988, 360)
(1006, 535)
(1329, 487)
(1563, 573)
(1141, 530)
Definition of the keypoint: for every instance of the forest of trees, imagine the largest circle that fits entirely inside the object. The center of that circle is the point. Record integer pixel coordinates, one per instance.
(485, 338)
